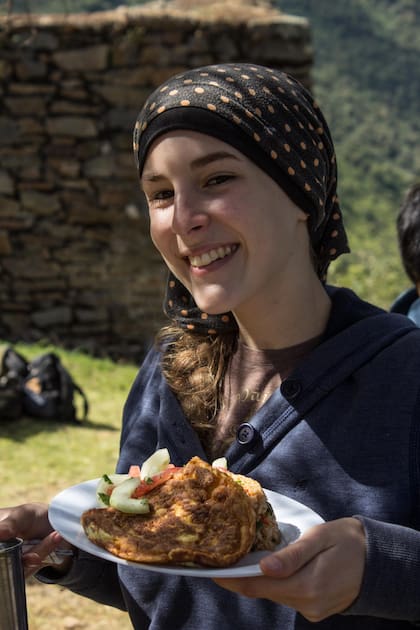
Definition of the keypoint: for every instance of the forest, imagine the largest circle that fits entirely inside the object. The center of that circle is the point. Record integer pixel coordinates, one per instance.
(367, 79)
(366, 76)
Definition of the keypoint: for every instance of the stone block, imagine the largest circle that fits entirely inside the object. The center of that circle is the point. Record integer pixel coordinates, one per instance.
(77, 126)
(44, 40)
(26, 106)
(9, 130)
(5, 69)
(31, 88)
(5, 245)
(121, 95)
(102, 166)
(7, 185)
(40, 203)
(86, 59)
(9, 207)
(92, 315)
(32, 127)
(66, 167)
(30, 69)
(30, 267)
(50, 317)
(69, 107)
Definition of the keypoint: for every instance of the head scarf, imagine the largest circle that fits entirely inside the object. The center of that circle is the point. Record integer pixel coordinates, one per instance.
(272, 119)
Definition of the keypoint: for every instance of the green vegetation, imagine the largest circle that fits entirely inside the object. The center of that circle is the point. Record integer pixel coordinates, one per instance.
(41, 457)
(367, 79)
(61, 6)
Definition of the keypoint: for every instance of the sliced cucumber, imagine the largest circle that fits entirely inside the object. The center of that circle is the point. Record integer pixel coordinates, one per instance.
(221, 462)
(105, 483)
(155, 464)
(121, 500)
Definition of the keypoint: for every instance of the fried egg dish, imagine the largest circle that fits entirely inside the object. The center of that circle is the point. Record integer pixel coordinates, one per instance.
(201, 515)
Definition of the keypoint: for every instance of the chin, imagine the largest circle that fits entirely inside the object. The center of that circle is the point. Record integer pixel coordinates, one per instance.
(214, 300)
(212, 307)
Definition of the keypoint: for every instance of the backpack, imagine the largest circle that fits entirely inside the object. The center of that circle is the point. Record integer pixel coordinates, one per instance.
(47, 389)
(11, 405)
(13, 371)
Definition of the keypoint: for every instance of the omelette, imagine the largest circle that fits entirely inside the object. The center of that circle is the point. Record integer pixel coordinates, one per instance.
(200, 516)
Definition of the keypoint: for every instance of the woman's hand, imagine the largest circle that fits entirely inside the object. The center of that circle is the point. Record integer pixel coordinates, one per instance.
(30, 522)
(319, 575)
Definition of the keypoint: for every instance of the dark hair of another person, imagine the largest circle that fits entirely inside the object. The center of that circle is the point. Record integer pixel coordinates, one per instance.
(408, 231)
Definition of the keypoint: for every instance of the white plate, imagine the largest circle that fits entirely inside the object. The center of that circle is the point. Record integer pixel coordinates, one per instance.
(67, 507)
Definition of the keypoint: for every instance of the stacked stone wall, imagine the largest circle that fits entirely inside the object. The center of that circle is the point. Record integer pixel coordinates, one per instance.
(76, 264)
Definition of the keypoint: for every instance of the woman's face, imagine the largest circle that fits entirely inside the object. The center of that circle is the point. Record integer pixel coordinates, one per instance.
(224, 228)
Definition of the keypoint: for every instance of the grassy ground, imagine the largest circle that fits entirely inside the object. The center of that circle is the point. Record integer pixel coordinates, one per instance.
(39, 458)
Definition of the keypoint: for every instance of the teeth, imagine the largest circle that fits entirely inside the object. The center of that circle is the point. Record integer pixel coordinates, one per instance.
(208, 257)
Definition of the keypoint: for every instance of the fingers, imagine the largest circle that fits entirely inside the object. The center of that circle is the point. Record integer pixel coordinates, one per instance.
(318, 575)
(30, 522)
(24, 521)
(7, 526)
(259, 587)
(39, 553)
(290, 559)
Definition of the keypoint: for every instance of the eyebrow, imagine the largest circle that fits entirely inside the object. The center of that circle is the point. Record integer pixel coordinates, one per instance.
(197, 163)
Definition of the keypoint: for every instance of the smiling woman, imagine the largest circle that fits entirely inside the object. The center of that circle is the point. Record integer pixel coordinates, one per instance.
(202, 215)
(215, 211)
(270, 119)
(297, 384)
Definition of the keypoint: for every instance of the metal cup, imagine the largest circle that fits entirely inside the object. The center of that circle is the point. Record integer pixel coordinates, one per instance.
(13, 612)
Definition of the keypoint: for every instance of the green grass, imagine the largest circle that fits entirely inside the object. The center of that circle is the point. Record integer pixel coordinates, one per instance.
(41, 457)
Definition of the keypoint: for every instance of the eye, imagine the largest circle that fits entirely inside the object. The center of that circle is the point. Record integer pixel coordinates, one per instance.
(157, 197)
(217, 180)
(162, 194)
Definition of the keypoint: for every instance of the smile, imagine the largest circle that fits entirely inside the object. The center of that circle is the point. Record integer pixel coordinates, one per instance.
(214, 254)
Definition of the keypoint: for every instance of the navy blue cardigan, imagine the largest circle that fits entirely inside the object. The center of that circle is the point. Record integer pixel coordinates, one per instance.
(340, 435)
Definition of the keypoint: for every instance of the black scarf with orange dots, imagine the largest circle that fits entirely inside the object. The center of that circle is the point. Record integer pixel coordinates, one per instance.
(272, 119)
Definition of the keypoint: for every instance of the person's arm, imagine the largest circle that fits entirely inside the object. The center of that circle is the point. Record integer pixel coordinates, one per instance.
(351, 566)
(88, 576)
(30, 522)
(82, 573)
(391, 581)
(318, 575)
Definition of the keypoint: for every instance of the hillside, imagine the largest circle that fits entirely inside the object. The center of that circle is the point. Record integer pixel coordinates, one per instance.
(367, 79)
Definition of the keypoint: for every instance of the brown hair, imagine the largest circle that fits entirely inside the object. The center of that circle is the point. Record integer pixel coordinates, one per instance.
(194, 367)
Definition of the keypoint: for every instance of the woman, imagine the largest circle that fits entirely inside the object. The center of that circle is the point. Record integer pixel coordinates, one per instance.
(300, 385)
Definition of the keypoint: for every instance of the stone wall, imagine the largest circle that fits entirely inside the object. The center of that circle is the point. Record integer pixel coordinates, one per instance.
(76, 264)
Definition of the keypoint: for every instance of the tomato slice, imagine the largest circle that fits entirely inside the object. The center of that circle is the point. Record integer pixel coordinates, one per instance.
(146, 485)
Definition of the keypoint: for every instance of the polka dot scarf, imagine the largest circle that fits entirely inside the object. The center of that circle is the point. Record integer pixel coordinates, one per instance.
(273, 120)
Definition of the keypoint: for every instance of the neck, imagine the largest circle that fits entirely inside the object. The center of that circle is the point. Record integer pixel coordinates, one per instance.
(295, 317)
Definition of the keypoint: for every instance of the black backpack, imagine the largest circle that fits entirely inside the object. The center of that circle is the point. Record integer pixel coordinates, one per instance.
(44, 387)
(13, 371)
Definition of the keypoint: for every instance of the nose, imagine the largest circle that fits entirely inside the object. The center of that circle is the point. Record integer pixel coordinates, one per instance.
(189, 212)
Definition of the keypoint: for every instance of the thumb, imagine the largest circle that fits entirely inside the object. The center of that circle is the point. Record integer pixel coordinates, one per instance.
(287, 561)
(7, 529)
